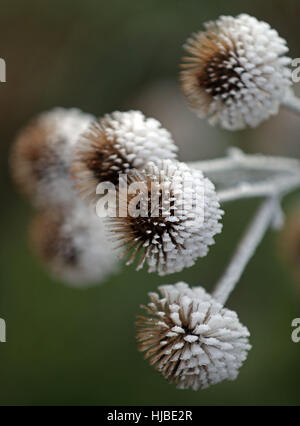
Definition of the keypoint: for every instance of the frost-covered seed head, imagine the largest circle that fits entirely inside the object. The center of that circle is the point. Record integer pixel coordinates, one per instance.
(72, 243)
(116, 144)
(42, 153)
(235, 73)
(190, 338)
(178, 219)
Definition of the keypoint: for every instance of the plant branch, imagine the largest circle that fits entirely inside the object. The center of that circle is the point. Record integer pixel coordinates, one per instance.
(277, 175)
(236, 159)
(281, 185)
(246, 249)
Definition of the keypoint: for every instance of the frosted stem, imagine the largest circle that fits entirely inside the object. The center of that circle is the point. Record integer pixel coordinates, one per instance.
(285, 174)
(246, 249)
(237, 159)
(292, 102)
(280, 185)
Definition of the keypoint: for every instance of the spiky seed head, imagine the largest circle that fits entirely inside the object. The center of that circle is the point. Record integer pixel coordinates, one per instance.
(178, 216)
(72, 243)
(235, 73)
(116, 144)
(41, 154)
(190, 338)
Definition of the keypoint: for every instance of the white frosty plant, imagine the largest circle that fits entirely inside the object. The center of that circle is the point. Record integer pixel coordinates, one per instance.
(116, 144)
(236, 72)
(41, 156)
(180, 217)
(188, 335)
(72, 242)
(191, 338)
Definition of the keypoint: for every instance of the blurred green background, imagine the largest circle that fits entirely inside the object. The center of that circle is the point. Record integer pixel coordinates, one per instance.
(68, 346)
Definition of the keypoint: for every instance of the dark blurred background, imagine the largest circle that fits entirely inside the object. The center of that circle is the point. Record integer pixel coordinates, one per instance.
(78, 346)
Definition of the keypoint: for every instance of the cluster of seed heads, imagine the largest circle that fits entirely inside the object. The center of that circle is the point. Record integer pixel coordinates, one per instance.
(235, 74)
(67, 235)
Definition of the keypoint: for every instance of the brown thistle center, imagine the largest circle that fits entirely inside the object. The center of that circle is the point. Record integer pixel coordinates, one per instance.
(51, 242)
(211, 67)
(33, 154)
(146, 230)
(102, 157)
(217, 77)
(154, 339)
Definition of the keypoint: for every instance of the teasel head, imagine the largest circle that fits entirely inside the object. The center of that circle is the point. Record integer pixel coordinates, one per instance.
(41, 155)
(72, 244)
(116, 144)
(190, 338)
(177, 217)
(235, 73)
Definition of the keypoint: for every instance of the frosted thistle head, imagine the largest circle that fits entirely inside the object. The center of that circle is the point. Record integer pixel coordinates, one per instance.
(41, 155)
(177, 217)
(72, 243)
(190, 338)
(235, 73)
(119, 142)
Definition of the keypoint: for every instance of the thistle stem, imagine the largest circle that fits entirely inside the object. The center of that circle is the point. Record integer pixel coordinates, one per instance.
(246, 249)
(281, 185)
(292, 102)
(237, 159)
(285, 175)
